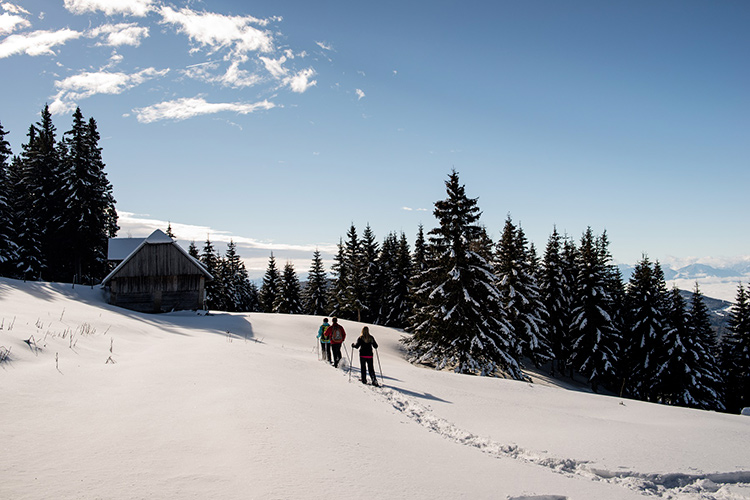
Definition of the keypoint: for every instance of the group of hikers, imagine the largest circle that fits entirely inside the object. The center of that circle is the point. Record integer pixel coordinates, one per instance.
(332, 336)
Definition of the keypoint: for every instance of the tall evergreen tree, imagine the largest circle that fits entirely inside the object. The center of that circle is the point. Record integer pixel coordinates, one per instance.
(29, 261)
(237, 288)
(370, 268)
(460, 324)
(8, 247)
(316, 292)
(354, 291)
(644, 346)
(555, 289)
(215, 292)
(271, 287)
(519, 292)
(89, 219)
(595, 339)
(735, 354)
(289, 301)
(708, 392)
(337, 299)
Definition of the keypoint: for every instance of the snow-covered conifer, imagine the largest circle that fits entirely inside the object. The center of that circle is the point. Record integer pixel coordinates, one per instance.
(595, 338)
(519, 294)
(708, 392)
(554, 287)
(459, 322)
(316, 292)
(271, 287)
(289, 300)
(735, 354)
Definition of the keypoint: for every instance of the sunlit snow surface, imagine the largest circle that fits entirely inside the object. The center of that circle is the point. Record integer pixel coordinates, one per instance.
(101, 402)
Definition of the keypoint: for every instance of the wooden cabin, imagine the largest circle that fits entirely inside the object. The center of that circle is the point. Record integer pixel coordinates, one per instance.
(157, 276)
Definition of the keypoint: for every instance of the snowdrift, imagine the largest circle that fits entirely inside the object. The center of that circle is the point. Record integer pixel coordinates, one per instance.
(101, 402)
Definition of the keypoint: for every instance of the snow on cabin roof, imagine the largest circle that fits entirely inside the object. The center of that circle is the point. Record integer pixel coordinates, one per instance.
(158, 237)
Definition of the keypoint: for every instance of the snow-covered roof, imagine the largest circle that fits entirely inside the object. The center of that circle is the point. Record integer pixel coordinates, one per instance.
(158, 237)
(120, 248)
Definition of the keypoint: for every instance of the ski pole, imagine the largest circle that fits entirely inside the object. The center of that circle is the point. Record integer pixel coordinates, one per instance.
(382, 381)
(350, 367)
(347, 355)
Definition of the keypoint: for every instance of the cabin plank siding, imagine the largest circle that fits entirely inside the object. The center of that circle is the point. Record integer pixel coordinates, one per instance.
(158, 277)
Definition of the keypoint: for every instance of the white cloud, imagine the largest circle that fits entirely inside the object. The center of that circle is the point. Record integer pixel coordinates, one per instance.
(217, 31)
(10, 22)
(14, 9)
(301, 81)
(360, 94)
(86, 84)
(324, 45)
(121, 34)
(36, 43)
(275, 66)
(234, 76)
(110, 7)
(184, 108)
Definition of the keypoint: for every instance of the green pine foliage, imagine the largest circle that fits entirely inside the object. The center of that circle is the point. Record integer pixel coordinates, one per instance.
(708, 391)
(269, 290)
(459, 324)
(289, 300)
(735, 354)
(555, 287)
(316, 292)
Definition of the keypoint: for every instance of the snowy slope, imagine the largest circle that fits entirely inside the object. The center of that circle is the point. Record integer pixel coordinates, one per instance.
(106, 403)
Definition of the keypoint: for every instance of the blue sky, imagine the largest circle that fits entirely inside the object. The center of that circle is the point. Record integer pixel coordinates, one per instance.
(279, 124)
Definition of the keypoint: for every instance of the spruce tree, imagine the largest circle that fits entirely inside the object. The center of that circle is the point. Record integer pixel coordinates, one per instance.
(29, 261)
(237, 289)
(8, 247)
(460, 324)
(676, 378)
(370, 268)
(735, 354)
(399, 289)
(337, 300)
(215, 290)
(90, 218)
(271, 287)
(354, 291)
(316, 292)
(646, 331)
(595, 338)
(555, 291)
(708, 392)
(520, 297)
(289, 301)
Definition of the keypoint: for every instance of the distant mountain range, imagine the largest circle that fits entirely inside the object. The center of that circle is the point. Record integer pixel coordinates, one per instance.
(739, 271)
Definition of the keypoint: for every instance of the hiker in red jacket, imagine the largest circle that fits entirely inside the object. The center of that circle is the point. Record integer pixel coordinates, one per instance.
(337, 335)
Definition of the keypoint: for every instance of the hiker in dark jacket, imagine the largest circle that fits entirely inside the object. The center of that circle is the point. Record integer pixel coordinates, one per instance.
(365, 344)
(337, 335)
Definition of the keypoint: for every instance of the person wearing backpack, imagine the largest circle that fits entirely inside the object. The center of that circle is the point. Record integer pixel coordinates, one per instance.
(366, 343)
(325, 340)
(337, 334)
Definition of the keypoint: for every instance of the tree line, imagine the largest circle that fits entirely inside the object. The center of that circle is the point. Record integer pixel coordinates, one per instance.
(492, 308)
(57, 210)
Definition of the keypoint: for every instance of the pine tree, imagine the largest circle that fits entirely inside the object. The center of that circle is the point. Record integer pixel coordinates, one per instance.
(271, 287)
(707, 393)
(676, 377)
(29, 261)
(644, 347)
(288, 301)
(90, 218)
(354, 291)
(398, 293)
(237, 289)
(169, 231)
(215, 291)
(735, 354)
(368, 262)
(520, 297)
(193, 251)
(595, 339)
(337, 288)
(555, 290)
(8, 247)
(460, 324)
(316, 292)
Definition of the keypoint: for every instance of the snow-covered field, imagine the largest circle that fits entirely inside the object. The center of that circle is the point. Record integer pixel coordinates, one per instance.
(101, 402)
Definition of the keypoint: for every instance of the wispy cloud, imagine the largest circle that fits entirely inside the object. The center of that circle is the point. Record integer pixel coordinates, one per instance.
(360, 94)
(86, 84)
(217, 31)
(10, 22)
(409, 209)
(13, 8)
(36, 43)
(325, 46)
(184, 108)
(302, 80)
(116, 35)
(138, 8)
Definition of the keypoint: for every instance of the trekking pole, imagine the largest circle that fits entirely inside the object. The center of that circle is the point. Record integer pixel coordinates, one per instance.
(349, 357)
(382, 381)
(350, 367)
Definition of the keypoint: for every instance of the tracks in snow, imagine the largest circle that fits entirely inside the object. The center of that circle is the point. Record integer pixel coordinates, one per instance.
(669, 486)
